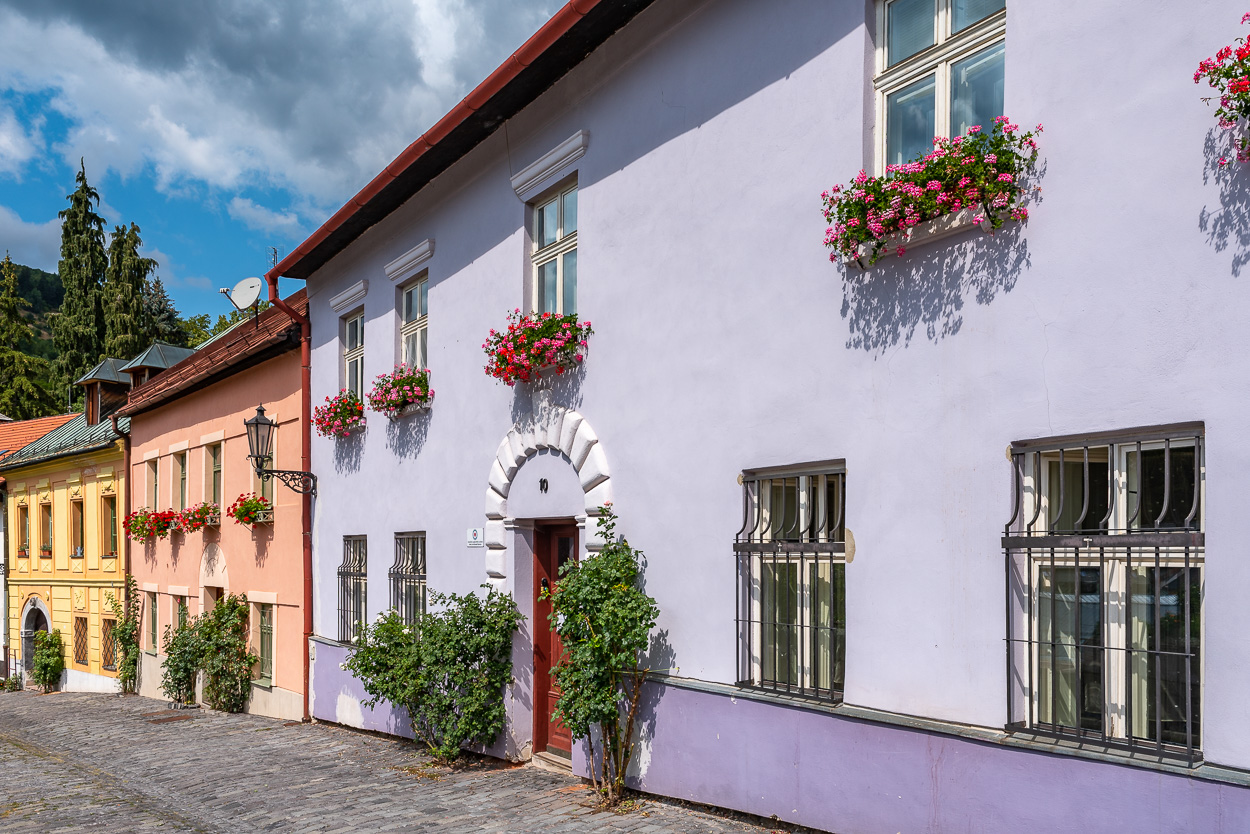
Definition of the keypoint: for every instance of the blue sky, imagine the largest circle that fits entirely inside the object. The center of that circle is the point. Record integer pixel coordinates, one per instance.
(224, 128)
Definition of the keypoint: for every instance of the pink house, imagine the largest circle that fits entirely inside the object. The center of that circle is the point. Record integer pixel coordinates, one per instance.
(188, 446)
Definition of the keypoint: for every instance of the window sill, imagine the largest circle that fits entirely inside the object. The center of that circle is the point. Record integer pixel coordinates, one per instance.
(929, 231)
(413, 408)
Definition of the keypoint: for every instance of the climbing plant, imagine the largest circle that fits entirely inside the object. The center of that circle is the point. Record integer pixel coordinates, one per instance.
(604, 620)
(224, 656)
(183, 656)
(126, 633)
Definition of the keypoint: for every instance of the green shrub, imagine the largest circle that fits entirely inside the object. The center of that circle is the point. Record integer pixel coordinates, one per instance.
(604, 620)
(13, 683)
(49, 659)
(183, 654)
(449, 669)
(224, 656)
(126, 634)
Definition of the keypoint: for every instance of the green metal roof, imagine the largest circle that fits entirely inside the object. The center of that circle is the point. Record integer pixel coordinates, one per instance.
(109, 370)
(75, 437)
(159, 355)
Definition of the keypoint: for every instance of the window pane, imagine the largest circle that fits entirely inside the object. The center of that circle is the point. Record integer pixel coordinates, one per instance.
(411, 349)
(1181, 497)
(547, 287)
(548, 223)
(1064, 509)
(779, 616)
(570, 212)
(1062, 698)
(410, 304)
(421, 348)
(1157, 639)
(353, 376)
(977, 89)
(783, 509)
(828, 590)
(570, 283)
(423, 298)
(909, 118)
(911, 25)
(967, 12)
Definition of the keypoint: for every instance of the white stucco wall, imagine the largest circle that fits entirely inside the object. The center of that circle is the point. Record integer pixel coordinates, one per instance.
(726, 340)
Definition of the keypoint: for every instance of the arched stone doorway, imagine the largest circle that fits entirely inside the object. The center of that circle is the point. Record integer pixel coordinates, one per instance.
(35, 618)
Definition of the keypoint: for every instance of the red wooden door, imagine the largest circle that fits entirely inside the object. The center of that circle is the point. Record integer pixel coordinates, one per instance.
(554, 545)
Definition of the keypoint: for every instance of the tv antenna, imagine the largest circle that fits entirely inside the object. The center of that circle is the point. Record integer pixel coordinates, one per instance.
(245, 295)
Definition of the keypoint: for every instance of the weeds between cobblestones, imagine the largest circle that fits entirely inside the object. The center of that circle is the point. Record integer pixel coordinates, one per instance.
(86, 762)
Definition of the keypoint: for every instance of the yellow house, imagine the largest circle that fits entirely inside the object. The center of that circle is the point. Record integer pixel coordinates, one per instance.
(66, 499)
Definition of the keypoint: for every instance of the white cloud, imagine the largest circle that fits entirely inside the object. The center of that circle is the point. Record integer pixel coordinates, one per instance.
(314, 98)
(262, 219)
(32, 244)
(17, 145)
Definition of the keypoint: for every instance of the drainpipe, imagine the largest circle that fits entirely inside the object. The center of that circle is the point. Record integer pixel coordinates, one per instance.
(125, 435)
(305, 421)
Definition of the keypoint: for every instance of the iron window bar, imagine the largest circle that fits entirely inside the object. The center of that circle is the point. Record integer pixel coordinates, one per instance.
(1131, 674)
(80, 641)
(353, 577)
(407, 576)
(108, 646)
(790, 564)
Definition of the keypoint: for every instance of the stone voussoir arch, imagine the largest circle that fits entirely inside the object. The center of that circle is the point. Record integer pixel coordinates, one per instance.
(561, 430)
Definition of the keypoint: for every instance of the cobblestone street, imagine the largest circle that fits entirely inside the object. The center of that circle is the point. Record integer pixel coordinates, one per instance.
(82, 762)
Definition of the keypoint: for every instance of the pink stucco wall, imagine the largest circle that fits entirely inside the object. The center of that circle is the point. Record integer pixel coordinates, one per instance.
(264, 561)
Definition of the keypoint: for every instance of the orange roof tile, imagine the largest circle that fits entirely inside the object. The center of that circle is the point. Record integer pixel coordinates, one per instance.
(19, 433)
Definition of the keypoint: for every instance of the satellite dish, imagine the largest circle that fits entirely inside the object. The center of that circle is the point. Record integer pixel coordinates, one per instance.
(246, 293)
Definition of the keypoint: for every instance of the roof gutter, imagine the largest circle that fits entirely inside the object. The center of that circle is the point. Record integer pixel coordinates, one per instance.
(305, 421)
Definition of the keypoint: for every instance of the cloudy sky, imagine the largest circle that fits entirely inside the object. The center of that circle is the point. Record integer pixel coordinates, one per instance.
(224, 127)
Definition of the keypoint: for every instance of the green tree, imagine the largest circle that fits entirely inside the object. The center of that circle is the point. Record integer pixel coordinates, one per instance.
(23, 392)
(49, 661)
(127, 327)
(163, 315)
(200, 328)
(78, 328)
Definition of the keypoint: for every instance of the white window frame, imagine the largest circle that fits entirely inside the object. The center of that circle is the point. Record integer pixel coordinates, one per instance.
(416, 327)
(354, 355)
(935, 60)
(542, 255)
(1114, 582)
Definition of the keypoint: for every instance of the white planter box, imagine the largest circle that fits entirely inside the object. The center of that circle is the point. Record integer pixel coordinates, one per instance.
(414, 408)
(928, 231)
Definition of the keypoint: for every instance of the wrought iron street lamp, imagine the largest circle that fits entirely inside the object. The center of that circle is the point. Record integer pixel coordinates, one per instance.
(260, 431)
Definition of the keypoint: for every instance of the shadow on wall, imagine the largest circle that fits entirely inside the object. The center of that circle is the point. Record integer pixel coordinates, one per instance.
(262, 535)
(348, 452)
(406, 436)
(1228, 224)
(565, 391)
(926, 290)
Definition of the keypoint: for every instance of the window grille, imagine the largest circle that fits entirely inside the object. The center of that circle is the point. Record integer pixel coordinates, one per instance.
(266, 643)
(791, 583)
(407, 576)
(1104, 559)
(80, 641)
(352, 585)
(108, 646)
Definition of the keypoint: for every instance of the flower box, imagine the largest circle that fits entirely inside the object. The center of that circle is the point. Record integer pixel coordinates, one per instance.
(45, 550)
(263, 517)
(23, 553)
(340, 416)
(977, 179)
(535, 348)
(199, 516)
(401, 392)
(928, 231)
(251, 509)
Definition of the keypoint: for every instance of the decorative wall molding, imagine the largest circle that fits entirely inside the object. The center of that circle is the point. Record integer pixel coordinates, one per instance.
(551, 427)
(262, 597)
(542, 173)
(180, 446)
(205, 439)
(350, 297)
(410, 263)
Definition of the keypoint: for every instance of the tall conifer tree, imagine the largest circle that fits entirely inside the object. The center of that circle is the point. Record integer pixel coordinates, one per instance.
(78, 328)
(128, 328)
(21, 395)
(166, 323)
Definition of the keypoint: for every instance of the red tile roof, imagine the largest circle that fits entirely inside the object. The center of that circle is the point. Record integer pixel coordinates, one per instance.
(272, 333)
(19, 433)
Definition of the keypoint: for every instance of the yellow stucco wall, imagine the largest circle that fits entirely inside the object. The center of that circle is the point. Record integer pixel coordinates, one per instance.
(69, 586)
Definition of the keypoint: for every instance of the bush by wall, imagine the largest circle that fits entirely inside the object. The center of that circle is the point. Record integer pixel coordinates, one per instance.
(49, 660)
(449, 669)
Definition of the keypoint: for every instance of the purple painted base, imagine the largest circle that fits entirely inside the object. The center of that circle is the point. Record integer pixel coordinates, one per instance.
(860, 777)
(337, 696)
